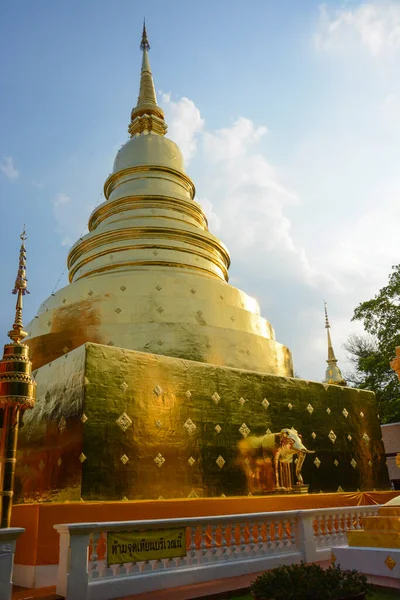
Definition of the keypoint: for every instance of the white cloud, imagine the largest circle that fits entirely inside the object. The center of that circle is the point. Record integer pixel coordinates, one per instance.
(248, 205)
(69, 218)
(374, 25)
(184, 124)
(8, 168)
(37, 184)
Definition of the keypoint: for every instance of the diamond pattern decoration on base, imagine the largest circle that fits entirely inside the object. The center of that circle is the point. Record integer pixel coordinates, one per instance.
(188, 394)
(220, 461)
(82, 457)
(317, 462)
(159, 424)
(313, 435)
(124, 386)
(124, 422)
(191, 461)
(193, 494)
(310, 409)
(365, 438)
(336, 463)
(244, 430)
(158, 390)
(190, 426)
(390, 562)
(328, 410)
(361, 414)
(332, 436)
(290, 406)
(124, 459)
(241, 401)
(159, 460)
(353, 463)
(265, 403)
(349, 437)
(59, 462)
(218, 428)
(216, 397)
(84, 418)
(345, 413)
(268, 431)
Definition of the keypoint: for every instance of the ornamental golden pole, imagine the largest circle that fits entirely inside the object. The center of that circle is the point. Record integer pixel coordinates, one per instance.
(17, 392)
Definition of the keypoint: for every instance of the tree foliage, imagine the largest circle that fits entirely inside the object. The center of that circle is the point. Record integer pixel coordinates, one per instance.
(371, 353)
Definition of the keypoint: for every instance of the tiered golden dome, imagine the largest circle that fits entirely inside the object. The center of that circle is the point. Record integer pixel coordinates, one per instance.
(149, 276)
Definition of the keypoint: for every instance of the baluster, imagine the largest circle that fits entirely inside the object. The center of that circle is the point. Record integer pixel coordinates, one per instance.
(352, 521)
(193, 560)
(233, 541)
(341, 528)
(252, 539)
(225, 542)
(292, 538)
(317, 533)
(214, 547)
(242, 539)
(268, 537)
(277, 537)
(271, 534)
(286, 534)
(330, 530)
(323, 529)
(203, 545)
(260, 539)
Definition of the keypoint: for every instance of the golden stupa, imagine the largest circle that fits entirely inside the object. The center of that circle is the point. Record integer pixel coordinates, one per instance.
(158, 379)
(149, 276)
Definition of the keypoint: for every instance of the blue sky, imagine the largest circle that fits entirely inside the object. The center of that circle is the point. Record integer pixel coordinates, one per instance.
(288, 115)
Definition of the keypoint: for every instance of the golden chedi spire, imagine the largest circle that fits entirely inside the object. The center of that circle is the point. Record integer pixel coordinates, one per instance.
(147, 116)
(333, 374)
(149, 276)
(17, 391)
(16, 383)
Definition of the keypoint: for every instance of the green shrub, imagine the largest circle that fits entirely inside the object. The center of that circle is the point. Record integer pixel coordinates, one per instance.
(309, 582)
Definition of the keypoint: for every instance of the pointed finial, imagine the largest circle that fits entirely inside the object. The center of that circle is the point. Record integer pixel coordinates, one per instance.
(333, 374)
(17, 333)
(147, 116)
(144, 44)
(327, 326)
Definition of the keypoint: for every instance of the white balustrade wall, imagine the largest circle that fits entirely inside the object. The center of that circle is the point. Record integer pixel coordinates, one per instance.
(216, 547)
(8, 538)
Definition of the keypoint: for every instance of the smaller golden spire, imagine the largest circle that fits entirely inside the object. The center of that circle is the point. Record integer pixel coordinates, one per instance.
(17, 392)
(20, 288)
(147, 116)
(333, 374)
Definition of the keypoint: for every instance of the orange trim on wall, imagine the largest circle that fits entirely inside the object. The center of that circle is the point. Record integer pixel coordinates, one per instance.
(40, 542)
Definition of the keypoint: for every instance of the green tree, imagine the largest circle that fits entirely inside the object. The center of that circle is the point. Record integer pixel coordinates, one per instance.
(371, 353)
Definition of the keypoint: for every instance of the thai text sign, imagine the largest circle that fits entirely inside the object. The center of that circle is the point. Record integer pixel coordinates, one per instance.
(133, 546)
